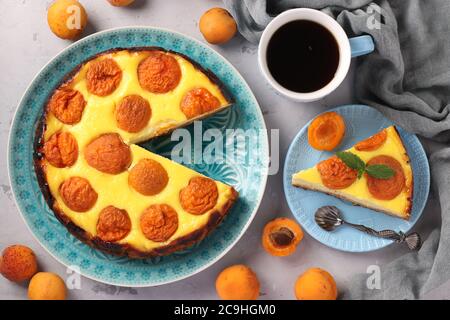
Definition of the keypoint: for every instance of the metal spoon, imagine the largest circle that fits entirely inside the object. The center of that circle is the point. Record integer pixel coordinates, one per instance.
(329, 218)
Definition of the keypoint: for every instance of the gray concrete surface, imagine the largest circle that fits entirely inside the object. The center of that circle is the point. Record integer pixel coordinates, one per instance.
(27, 44)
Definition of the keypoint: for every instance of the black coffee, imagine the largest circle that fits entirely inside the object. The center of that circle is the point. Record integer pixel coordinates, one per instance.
(303, 56)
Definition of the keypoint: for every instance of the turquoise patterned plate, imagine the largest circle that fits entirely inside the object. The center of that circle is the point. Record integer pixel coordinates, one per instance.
(247, 176)
(362, 122)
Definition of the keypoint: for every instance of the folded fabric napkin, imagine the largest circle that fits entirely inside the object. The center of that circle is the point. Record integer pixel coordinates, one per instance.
(407, 78)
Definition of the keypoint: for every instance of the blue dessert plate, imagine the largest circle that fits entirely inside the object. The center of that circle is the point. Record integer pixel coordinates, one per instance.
(248, 178)
(362, 122)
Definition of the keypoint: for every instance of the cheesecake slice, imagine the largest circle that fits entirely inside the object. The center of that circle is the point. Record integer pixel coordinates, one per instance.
(388, 192)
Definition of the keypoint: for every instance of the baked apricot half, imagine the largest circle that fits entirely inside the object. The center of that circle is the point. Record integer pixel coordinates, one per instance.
(372, 143)
(159, 222)
(386, 189)
(148, 177)
(326, 131)
(78, 194)
(61, 150)
(67, 105)
(133, 113)
(281, 237)
(159, 72)
(113, 224)
(103, 77)
(335, 174)
(108, 153)
(199, 196)
(197, 102)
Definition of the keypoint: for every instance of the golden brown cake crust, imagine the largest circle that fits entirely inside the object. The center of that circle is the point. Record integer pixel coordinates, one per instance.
(115, 248)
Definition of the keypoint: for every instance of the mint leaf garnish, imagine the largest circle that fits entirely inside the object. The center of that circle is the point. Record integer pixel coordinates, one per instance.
(352, 161)
(380, 171)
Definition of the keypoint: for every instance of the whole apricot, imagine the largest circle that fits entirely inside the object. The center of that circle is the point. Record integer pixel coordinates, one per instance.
(18, 263)
(315, 284)
(120, 3)
(217, 26)
(237, 282)
(67, 18)
(46, 286)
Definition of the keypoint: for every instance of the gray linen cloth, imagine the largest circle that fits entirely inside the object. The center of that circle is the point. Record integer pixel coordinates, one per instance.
(407, 78)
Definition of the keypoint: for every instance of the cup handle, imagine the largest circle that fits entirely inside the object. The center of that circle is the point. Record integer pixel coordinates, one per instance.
(361, 45)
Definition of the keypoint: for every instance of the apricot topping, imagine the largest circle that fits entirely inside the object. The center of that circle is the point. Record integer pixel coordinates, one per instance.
(67, 105)
(199, 196)
(113, 224)
(148, 177)
(61, 150)
(372, 143)
(197, 102)
(133, 113)
(108, 153)
(326, 131)
(159, 222)
(335, 174)
(78, 194)
(103, 77)
(315, 284)
(159, 72)
(386, 189)
(237, 282)
(18, 263)
(281, 237)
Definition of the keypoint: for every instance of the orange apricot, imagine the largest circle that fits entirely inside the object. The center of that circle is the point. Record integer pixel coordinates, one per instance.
(103, 77)
(237, 282)
(61, 150)
(108, 153)
(386, 189)
(326, 131)
(372, 143)
(67, 105)
(113, 224)
(159, 222)
(281, 237)
(78, 194)
(199, 196)
(217, 26)
(159, 72)
(18, 263)
(133, 113)
(148, 177)
(335, 174)
(47, 286)
(315, 284)
(197, 102)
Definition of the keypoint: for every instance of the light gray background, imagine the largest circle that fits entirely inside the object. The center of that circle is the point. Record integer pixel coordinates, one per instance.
(26, 44)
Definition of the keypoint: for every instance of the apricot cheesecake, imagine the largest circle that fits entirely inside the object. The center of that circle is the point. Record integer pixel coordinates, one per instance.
(108, 191)
(375, 173)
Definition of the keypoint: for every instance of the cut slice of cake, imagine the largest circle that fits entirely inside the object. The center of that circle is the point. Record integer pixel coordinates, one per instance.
(375, 173)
